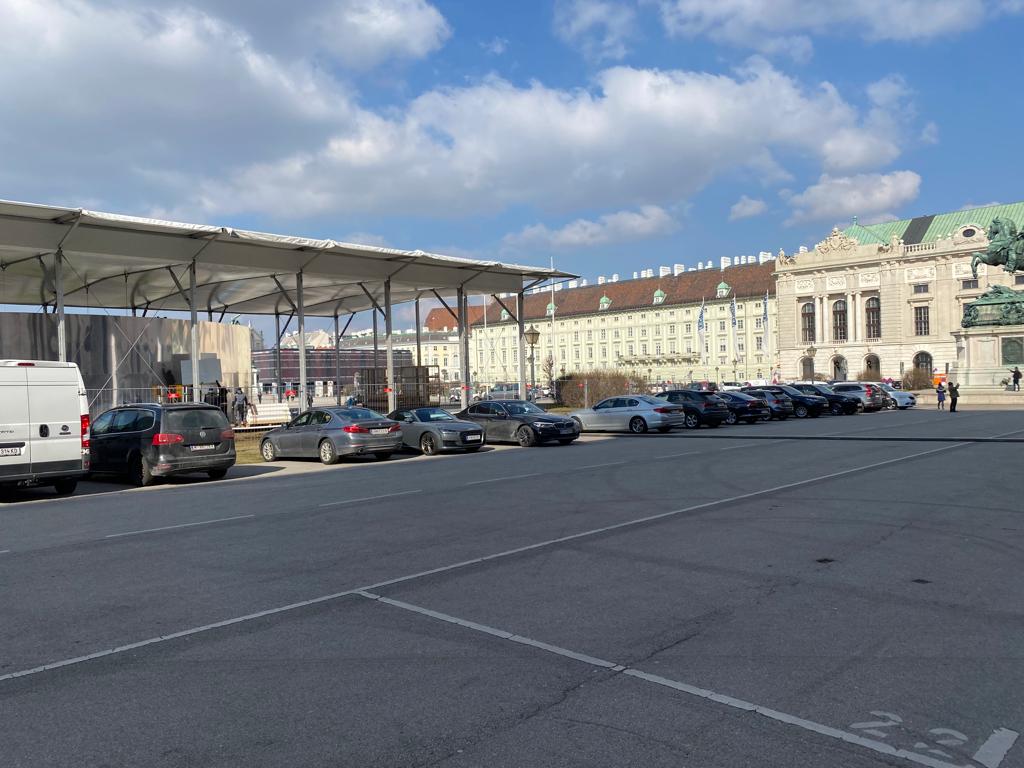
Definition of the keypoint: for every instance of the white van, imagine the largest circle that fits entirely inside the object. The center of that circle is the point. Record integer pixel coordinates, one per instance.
(44, 424)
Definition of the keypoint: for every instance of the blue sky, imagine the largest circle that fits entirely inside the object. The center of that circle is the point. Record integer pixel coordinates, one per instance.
(611, 135)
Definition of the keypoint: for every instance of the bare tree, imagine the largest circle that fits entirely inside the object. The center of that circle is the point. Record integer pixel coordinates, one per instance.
(547, 369)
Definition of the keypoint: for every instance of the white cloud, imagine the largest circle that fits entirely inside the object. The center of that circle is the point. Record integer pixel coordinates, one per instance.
(864, 195)
(599, 28)
(624, 226)
(496, 46)
(746, 207)
(785, 26)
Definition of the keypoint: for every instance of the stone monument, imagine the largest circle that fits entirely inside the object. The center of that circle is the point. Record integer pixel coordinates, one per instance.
(990, 341)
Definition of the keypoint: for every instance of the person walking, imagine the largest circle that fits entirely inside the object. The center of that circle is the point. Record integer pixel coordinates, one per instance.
(309, 400)
(940, 397)
(1015, 374)
(954, 395)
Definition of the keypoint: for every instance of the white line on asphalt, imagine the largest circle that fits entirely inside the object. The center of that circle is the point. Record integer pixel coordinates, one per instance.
(4, 551)
(499, 479)
(808, 725)
(172, 527)
(371, 498)
(596, 466)
(994, 749)
(466, 563)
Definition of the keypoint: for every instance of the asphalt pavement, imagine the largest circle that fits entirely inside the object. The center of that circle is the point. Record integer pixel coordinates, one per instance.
(821, 592)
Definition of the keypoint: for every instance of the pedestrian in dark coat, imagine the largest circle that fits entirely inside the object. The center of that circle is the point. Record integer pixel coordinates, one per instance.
(954, 395)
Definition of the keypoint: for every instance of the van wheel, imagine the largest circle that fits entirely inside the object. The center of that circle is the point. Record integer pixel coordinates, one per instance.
(65, 486)
(327, 452)
(142, 474)
(216, 474)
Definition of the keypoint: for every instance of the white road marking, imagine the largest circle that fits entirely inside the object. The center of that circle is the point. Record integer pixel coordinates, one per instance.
(4, 551)
(704, 693)
(173, 527)
(499, 479)
(371, 498)
(465, 563)
(596, 466)
(994, 749)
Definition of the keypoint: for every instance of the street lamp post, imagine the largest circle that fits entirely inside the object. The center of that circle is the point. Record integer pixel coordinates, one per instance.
(532, 336)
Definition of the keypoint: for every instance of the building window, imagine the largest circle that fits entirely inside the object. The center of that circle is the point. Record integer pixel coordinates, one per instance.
(629, 332)
(603, 333)
(576, 353)
(921, 288)
(688, 329)
(923, 362)
(604, 351)
(921, 321)
(966, 285)
(721, 326)
(873, 317)
(590, 335)
(839, 321)
(757, 323)
(629, 350)
(759, 343)
(739, 346)
(575, 335)
(615, 333)
(739, 325)
(721, 347)
(590, 353)
(643, 333)
(1018, 280)
(807, 322)
(657, 349)
(672, 347)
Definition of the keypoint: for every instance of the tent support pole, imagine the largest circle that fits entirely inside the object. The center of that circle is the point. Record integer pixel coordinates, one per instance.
(463, 347)
(301, 307)
(521, 323)
(376, 346)
(277, 355)
(337, 361)
(419, 336)
(58, 281)
(389, 344)
(193, 331)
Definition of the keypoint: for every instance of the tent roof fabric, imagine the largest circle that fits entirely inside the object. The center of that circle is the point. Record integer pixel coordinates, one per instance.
(125, 262)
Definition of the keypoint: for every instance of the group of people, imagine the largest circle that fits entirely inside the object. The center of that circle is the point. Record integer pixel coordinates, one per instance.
(953, 390)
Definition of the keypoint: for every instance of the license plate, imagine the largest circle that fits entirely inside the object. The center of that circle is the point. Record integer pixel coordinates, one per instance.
(202, 447)
(378, 431)
(566, 430)
(472, 438)
(10, 451)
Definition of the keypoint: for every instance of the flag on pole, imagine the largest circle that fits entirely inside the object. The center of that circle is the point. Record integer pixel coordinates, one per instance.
(732, 319)
(764, 327)
(700, 330)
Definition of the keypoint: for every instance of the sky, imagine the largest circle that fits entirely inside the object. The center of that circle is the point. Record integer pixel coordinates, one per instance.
(607, 135)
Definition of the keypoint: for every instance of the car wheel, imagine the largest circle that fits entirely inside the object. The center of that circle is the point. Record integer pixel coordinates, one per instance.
(383, 455)
(800, 412)
(731, 418)
(637, 425)
(142, 473)
(525, 437)
(268, 451)
(578, 423)
(428, 445)
(692, 421)
(328, 453)
(836, 409)
(65, 486)
(216, 474)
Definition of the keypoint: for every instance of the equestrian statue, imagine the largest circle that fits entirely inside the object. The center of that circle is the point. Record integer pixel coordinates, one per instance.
(1005, 247)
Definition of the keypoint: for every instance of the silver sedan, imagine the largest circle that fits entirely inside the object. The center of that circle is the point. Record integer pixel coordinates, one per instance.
(432, 430)
(635, 413)
(329, 433)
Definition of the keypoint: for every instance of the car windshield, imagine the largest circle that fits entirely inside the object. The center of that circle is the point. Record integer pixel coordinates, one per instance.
(356, 414)
(518, 409)
(650, 400)
(824, 389)
(791, 390)
(433, 414)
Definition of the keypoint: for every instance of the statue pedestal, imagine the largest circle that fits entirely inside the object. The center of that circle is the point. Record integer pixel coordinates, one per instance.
(985, 355)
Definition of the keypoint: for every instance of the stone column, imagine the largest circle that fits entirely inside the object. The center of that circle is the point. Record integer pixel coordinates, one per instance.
(851, 317)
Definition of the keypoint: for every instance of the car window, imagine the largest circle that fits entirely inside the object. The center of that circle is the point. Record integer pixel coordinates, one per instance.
(124, 421)
(194, 418)
(432, 414)
(320, 417)
(520, 409)
(631, 403)
(301, 420)
(477, 410)
(609, 403)
(143, 420)
(102, 424)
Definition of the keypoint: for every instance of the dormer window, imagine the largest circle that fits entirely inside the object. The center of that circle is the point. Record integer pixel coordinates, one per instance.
(604, 303)
(659, 296)
(723, 290)
(551, 309)
(504, 314)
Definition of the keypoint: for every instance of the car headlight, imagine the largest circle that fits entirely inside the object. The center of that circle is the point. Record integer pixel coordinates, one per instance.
(449, 434)
(543, 424)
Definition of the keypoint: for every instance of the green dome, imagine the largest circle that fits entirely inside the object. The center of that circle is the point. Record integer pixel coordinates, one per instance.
(605, 299)
(723, 286)
(659, 294)
(551, 306)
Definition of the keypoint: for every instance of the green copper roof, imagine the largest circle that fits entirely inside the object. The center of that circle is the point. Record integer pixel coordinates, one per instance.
(605, 299)
(551, 306)
(723, 286)
(659, 294)
(936, 226)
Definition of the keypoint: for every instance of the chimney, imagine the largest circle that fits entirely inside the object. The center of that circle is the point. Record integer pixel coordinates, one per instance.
(558, 286)
(726, 261)
(583, 283)
(636, 275)
(574, 284)
(708, 265)
(615, 277)
(664, 271)
(678, 269)
(600, 279)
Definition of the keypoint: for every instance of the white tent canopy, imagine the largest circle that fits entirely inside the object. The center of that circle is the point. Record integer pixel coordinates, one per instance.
(57, 257)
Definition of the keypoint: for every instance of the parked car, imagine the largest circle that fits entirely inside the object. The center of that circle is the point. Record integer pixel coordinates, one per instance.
(148, 441)
(698, 407)
(903, 400)
(804, 404)
(870, 395)
(330, 433)
(519, 421)
(45, 416)
(744, 407)
(636, 413)
(432, 430)
(837, 404)
(779, 404)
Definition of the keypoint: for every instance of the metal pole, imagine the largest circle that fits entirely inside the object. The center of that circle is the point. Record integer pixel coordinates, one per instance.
(533, 371)
(392, 389)
(463, 347)
(301, 307)
(375, 344)
(193, 328)
(277, 355)
(419, 338)
(337, 361)
(58, 281)
(422, 385)
(521, 321)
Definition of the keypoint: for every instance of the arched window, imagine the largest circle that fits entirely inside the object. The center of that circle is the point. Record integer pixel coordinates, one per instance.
(923, 361)
(807, 322)
(839, 370)
(873, 317)
(839, 321)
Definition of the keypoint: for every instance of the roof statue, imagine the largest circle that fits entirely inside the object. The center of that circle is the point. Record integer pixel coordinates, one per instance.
(837, 242)
(786, 259)
(1005, 247)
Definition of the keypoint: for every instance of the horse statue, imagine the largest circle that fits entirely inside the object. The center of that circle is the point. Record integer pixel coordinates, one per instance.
(1005, 247)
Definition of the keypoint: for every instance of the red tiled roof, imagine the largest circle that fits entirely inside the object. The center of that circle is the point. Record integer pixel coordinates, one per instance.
(749, 281)
(439, 318)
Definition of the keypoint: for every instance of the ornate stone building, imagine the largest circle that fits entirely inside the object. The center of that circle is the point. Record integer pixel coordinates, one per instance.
(879, 299)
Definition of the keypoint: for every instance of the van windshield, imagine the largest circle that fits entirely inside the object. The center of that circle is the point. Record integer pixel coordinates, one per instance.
(194, 418)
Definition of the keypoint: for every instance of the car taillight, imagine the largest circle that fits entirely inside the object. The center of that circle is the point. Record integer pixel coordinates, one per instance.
(85, 431)
(354, 429)
(395, 428)
(664, 410)
(167, 438)
(227, 434)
